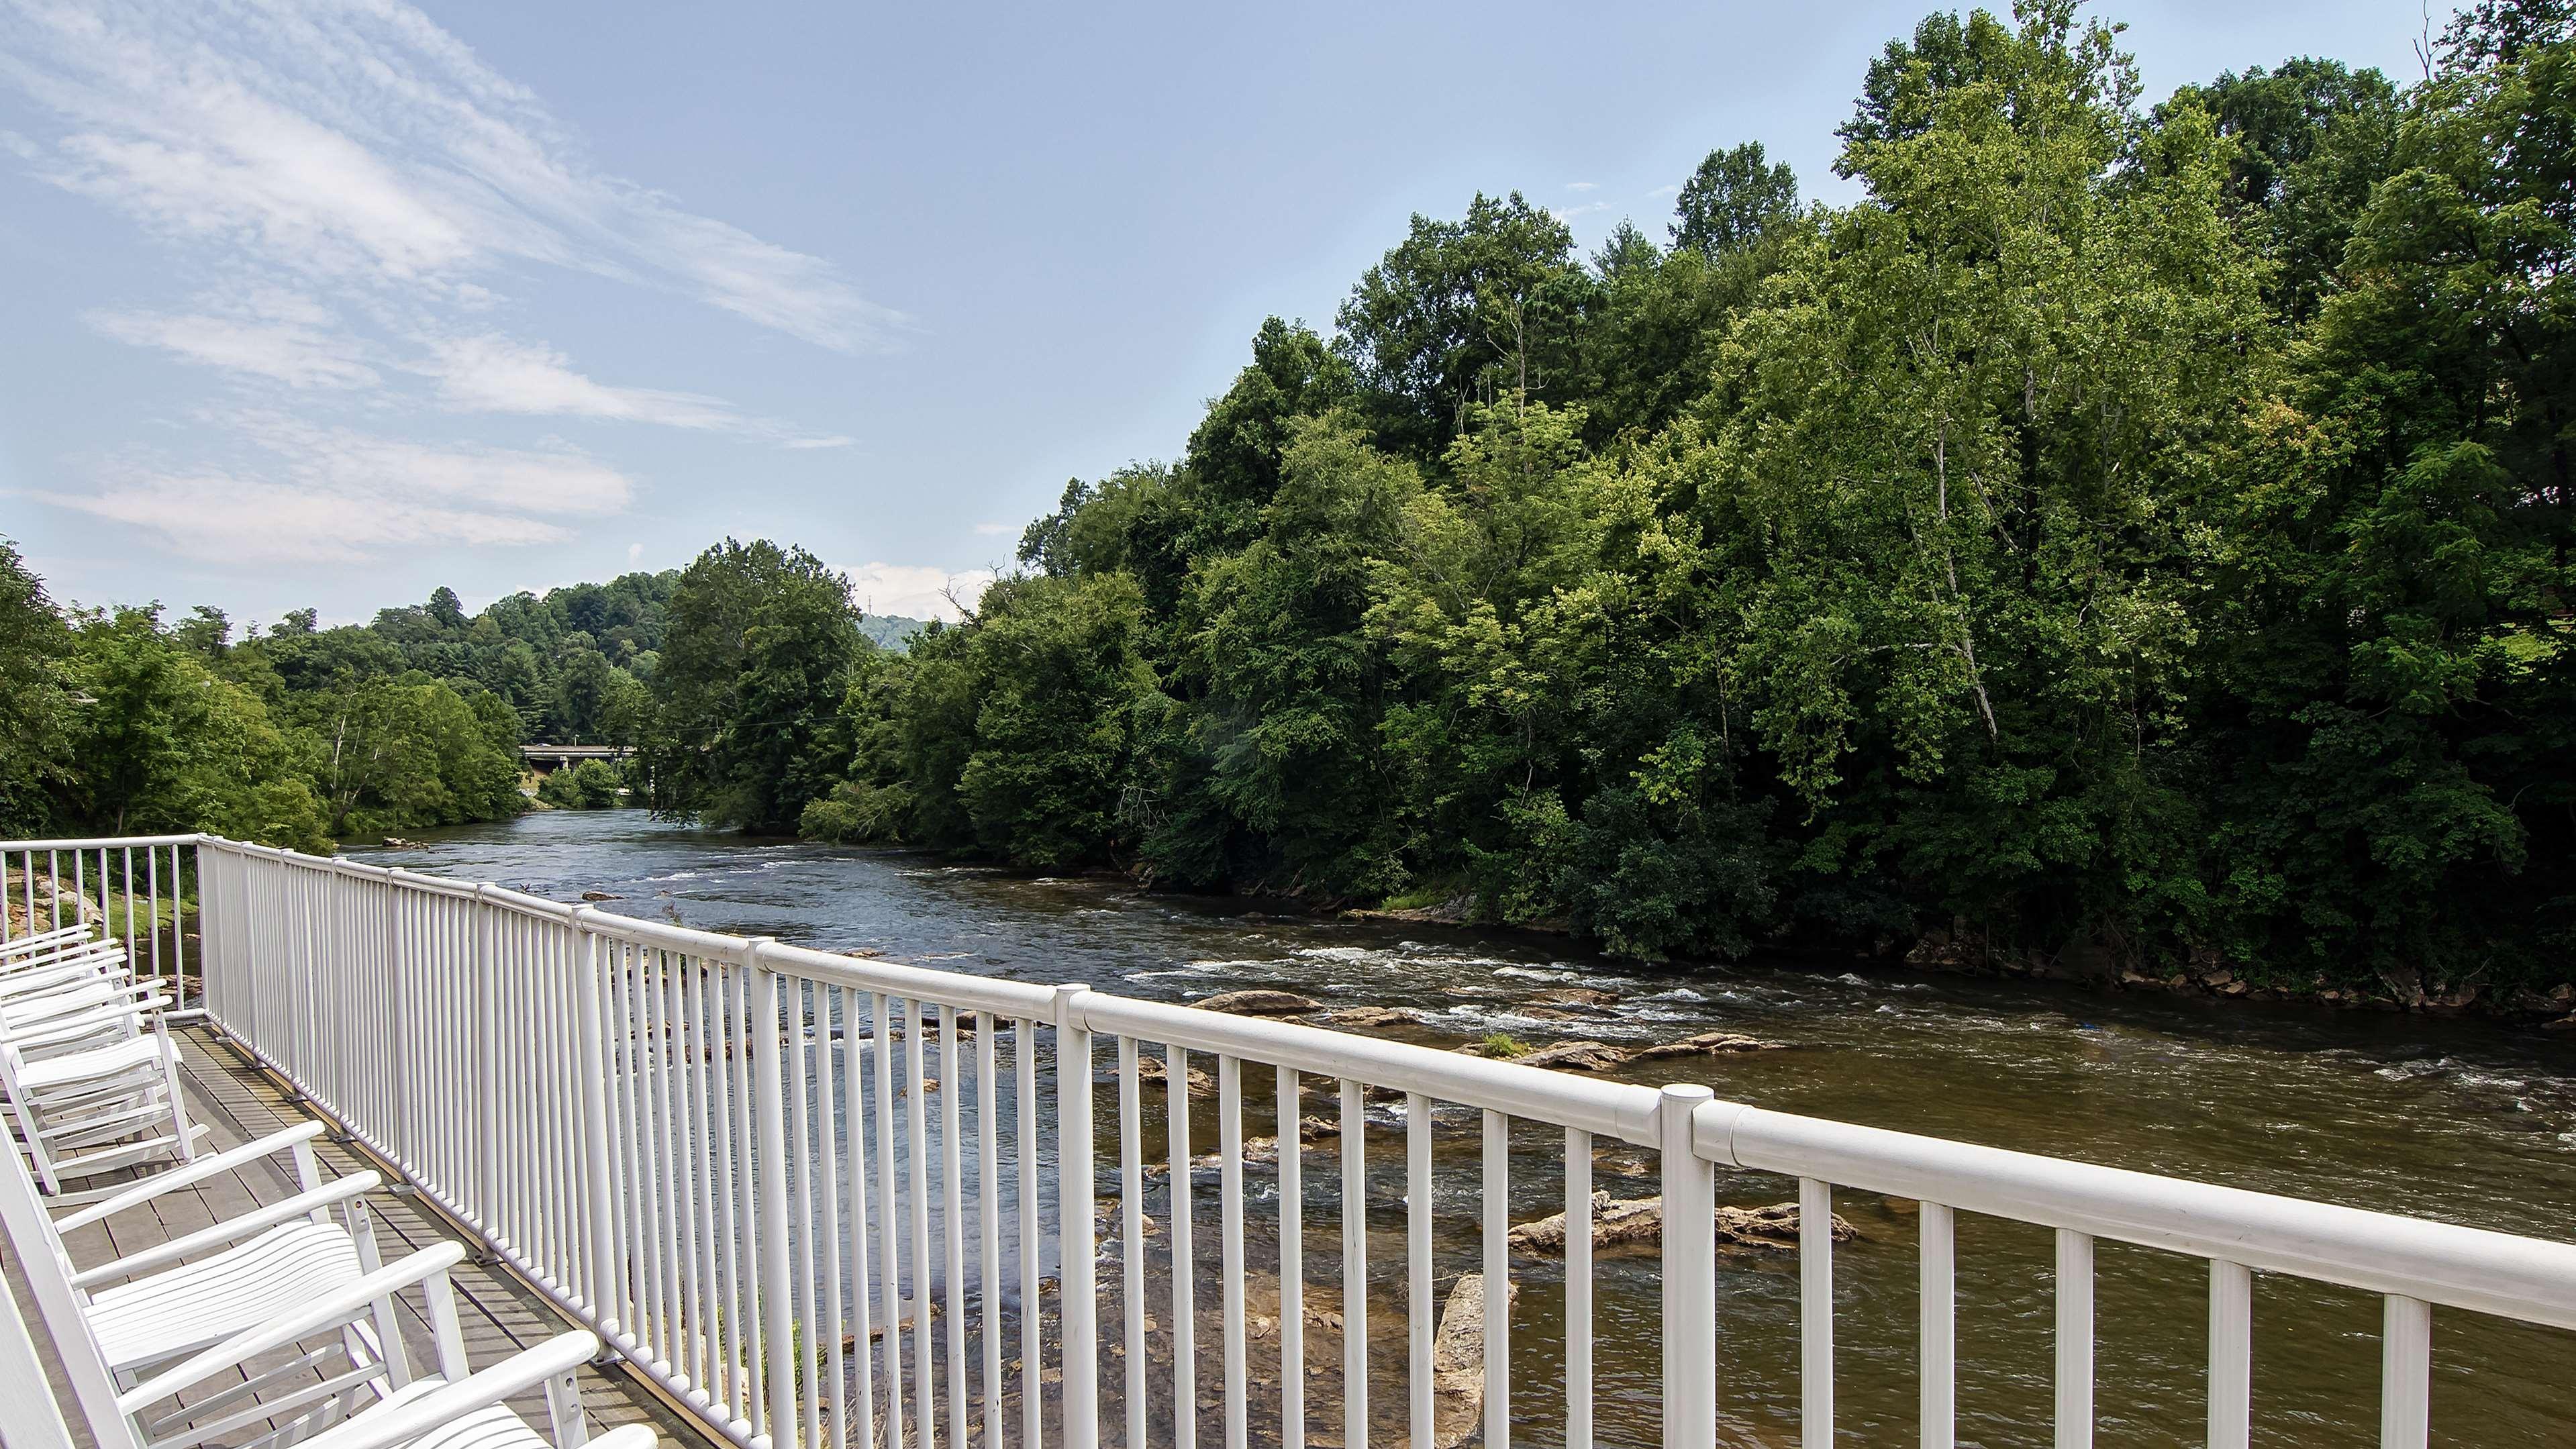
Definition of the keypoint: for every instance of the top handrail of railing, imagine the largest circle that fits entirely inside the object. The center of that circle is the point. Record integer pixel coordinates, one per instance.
(104, 842)
(2531, 1279)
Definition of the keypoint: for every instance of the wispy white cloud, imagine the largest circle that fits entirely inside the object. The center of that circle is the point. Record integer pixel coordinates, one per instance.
(1569, 213)
(356, 196)
(296, 353)
(917, 591)
(337, 495)
(362, 144)
(1665, 190)
(990, 529)
(490, 373)
(1583, 186)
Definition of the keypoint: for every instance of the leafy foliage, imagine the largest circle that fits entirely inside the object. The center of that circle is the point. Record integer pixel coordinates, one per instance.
(746, 730)
(2123, 536)
(589, 785)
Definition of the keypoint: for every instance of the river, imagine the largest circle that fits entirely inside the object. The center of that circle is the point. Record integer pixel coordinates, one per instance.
(2463, 1121)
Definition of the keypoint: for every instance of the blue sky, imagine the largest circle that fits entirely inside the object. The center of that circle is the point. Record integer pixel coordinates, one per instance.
(330, 304)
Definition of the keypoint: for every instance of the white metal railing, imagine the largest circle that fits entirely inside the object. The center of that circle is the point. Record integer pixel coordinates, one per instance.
(724, 1154)
(139, 890)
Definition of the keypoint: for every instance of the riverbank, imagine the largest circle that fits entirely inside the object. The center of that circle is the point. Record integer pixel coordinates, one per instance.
(2205, 975)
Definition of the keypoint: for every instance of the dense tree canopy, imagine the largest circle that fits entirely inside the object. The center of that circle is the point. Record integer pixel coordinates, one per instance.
(2123, 537)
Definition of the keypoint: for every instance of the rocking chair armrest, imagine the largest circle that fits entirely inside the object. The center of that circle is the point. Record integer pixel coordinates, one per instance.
(522, 1371)
(342, 1307)
(37, 1009)
(52, 975)
(73, 1028)
(231, 1230)
(59, 955)
(42, 939)
(195, 1172)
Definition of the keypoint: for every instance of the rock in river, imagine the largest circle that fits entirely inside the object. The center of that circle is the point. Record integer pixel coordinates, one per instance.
(1368, 1018)
(1258, 1003)
(1564, 1056)
(1618, 1222)
(1458, 1362)
(1707, 1044)
(1574, 996)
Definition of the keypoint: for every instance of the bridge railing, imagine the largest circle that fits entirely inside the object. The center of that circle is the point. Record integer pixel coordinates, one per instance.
(831, 1201)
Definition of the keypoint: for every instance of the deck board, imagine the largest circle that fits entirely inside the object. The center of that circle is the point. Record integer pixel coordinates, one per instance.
(500, 1314)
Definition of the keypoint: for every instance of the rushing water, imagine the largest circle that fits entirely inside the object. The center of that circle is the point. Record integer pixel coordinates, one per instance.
(2462, 1121)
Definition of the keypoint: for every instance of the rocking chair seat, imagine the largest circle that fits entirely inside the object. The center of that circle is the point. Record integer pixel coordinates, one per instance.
(85, 1066)
(189, 1307)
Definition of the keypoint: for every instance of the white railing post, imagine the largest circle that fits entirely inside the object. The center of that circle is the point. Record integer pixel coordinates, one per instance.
(2405, 1373)
(1937, 1320)
(2074, 1340)
(777, 1309)
(1815, 1312)
(606, 1273)
(1074, 1227)
(482, 1208)
(1690, 1275)
(209, 925)
(2231, 1354)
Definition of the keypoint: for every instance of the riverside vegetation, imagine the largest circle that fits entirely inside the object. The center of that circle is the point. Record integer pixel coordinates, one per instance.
(2128, 539)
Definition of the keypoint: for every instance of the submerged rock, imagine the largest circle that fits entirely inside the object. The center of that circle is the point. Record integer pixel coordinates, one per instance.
(1367, 1018)
(1623, 1222)
(1574, 996)
(1564, 1056)
(1155, 1069)
(1707, 1044)
(1258, 1003)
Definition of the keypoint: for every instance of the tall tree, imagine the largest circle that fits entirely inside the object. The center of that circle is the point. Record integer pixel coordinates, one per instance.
(749, 687)
(2393, 628)
(1464, 312)
(1732, 200)
(2312, 139)
(35, 700)
(1958, 439)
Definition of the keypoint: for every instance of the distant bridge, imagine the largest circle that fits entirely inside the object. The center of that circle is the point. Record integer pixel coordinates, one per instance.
(559, 756)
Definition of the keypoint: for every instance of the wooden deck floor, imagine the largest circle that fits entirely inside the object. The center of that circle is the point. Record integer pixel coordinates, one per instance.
(501, 1315)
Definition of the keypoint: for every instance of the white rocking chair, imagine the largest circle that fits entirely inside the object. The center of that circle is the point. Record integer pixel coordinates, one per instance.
(374, 1403)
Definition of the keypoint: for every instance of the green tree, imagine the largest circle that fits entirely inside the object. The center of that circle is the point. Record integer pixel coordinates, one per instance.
(1285, 745)
(2392, 632)
(585, 689)
(590, 785)
(35, 702)
(2312, 139)
(1735, 198)
(1955, 449)
(1059, 684)
(747, 692)
(164, 746)
(393, 754)
(1461, 313)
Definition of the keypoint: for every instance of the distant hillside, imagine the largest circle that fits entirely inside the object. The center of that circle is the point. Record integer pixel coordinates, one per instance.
(891, 631)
